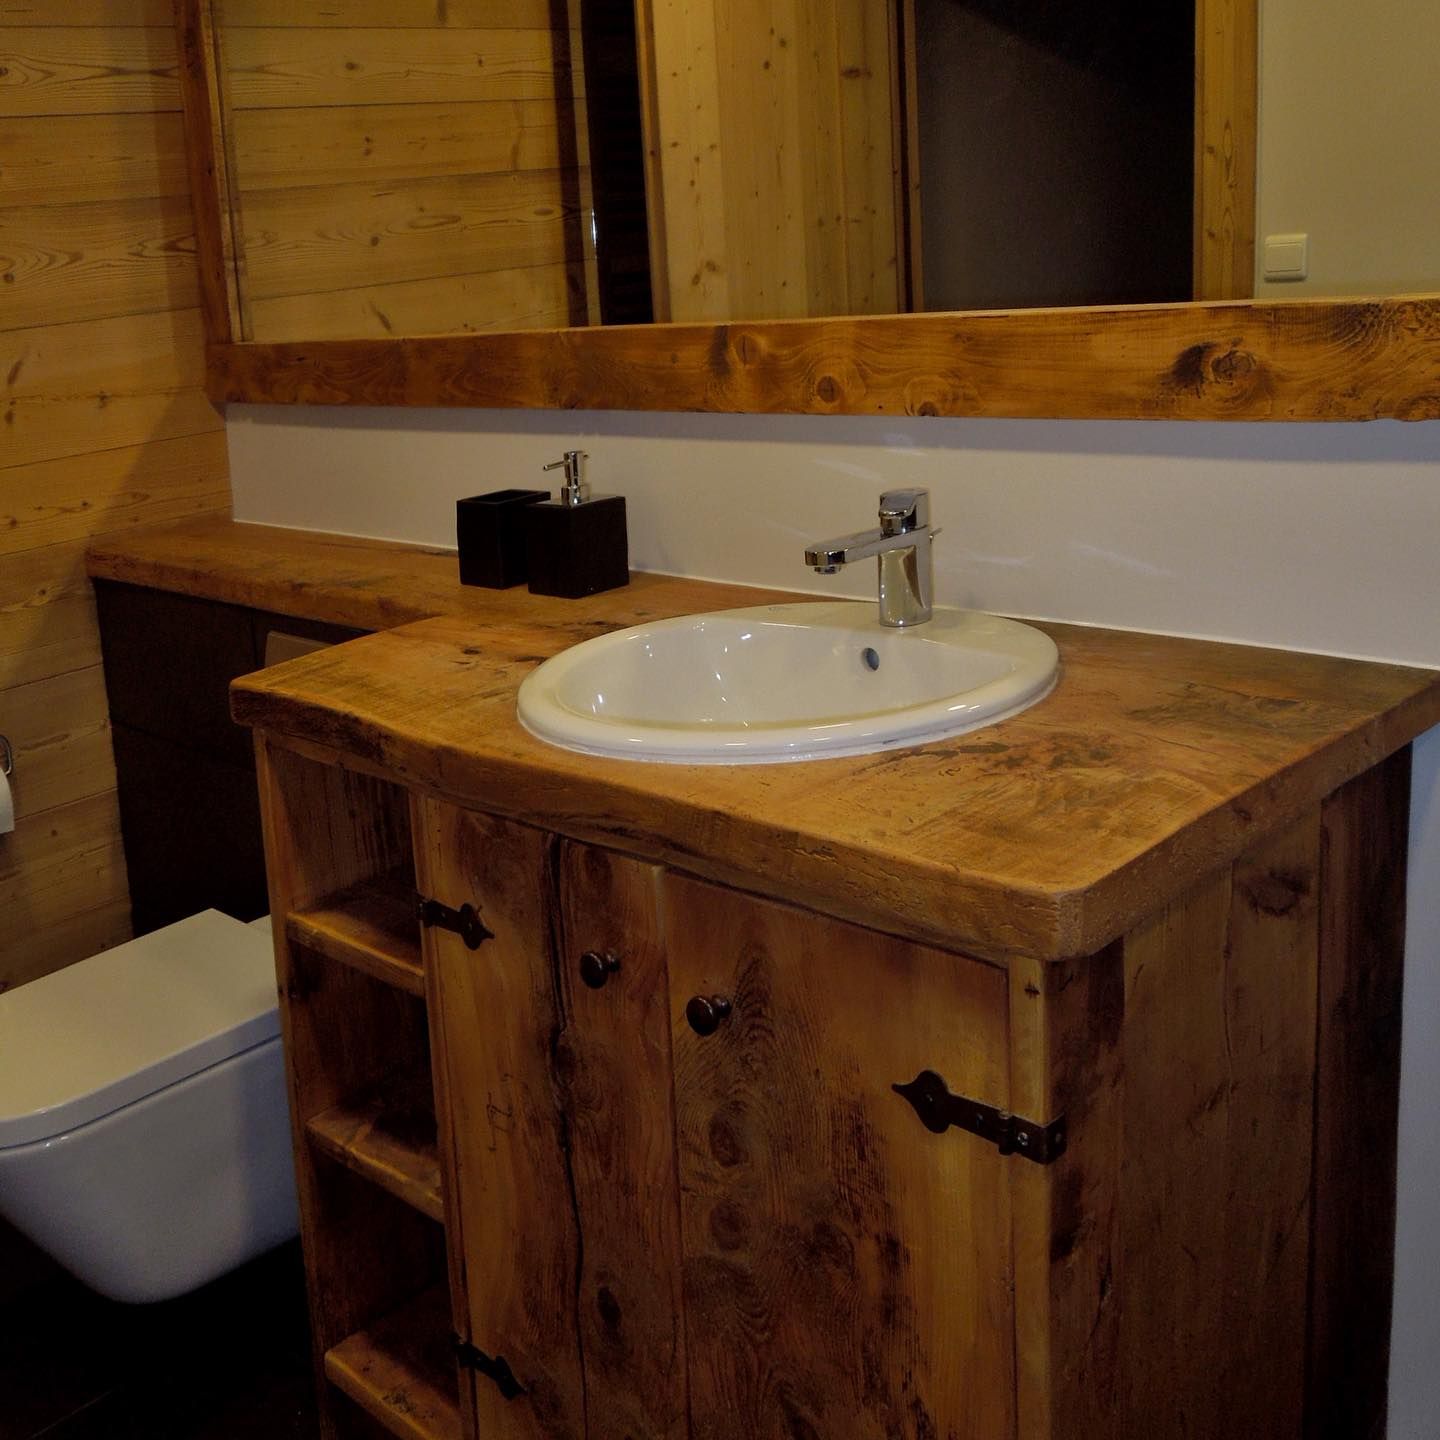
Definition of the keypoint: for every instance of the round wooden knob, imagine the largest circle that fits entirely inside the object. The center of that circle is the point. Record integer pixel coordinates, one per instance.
(705, 1012)
(597, 967)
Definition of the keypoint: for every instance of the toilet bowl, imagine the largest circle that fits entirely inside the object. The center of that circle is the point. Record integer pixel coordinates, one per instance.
(144, 1131)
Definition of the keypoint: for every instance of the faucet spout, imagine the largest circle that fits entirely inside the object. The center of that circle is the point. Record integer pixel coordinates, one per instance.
(902, 549)
(827, 556)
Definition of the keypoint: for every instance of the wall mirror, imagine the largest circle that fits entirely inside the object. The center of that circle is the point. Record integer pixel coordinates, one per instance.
(432, 201)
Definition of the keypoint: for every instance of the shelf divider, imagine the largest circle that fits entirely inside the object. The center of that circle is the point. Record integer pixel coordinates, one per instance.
(388, 1141)
(402, 1370)
(370, 925)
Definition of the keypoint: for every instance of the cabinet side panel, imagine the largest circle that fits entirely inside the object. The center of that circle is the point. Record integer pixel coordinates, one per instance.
(440, 1073)
(325, 828)
(1362, 938)
(1219, 1056)
(1065, 1059)
(615, 1077)
(507, 1164)
(1270, 1058)
(846, 1270)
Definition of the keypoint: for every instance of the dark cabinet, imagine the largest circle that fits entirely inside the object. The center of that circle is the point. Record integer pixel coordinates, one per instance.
(185, 772)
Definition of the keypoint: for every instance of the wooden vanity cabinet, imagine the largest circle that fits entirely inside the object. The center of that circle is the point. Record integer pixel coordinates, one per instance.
(736, 1234)
(650, 1231)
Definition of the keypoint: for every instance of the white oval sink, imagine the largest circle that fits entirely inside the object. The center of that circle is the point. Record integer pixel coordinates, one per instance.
(785, 682)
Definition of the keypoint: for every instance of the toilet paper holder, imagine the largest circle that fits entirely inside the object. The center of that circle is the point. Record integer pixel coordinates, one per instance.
(7, 757)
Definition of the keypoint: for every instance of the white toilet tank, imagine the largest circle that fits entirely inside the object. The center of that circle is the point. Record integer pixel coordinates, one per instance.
(144, 1132)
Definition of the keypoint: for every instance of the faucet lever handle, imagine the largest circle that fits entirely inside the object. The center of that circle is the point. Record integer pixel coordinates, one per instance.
(904, 510)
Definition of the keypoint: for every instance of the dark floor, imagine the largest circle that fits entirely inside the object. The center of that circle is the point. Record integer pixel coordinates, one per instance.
(230, 1361)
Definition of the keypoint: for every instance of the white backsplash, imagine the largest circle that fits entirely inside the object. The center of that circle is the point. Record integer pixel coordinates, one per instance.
(1315, 537)
(1309, 536)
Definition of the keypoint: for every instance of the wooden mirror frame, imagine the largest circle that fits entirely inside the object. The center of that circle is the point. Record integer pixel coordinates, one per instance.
(1341, 359)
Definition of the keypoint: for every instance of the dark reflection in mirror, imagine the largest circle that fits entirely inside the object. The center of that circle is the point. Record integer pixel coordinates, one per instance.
(1056, 147)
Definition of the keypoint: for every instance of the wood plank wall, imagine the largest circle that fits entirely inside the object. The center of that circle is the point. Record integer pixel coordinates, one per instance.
(406, 167)
(103, 425)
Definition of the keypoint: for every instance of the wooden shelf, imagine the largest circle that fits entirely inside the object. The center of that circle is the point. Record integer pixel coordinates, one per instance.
(402, 1369)
(390, 1142)
(371, 926)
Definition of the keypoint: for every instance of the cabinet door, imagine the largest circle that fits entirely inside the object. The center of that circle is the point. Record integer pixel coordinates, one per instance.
(510, 1220)
(846, 1271)
(613, 1073)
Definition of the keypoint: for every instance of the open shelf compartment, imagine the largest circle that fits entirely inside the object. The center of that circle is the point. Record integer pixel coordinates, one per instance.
(389, 1140)
(370, 925)
(401, 1370)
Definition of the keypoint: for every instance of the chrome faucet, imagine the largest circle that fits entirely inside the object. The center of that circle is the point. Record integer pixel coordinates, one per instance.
(902, 548)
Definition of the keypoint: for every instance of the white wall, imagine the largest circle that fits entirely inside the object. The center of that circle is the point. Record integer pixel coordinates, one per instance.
(1349, 108)
(1308, 536)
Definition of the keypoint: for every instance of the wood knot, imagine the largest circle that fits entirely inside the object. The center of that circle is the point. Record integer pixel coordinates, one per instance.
(729, 1226)
(1276, 893)
(725, 1144)
(1210, 366)
(607, 1307)
(719, 357)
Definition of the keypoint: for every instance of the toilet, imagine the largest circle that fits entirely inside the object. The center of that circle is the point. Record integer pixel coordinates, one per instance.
(144, 1130)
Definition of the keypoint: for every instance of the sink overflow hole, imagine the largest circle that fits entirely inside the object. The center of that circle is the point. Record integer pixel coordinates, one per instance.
(871, 659)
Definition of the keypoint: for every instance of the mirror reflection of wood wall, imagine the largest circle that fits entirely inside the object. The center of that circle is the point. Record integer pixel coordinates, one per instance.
(409, 167)
(403, 168)
(774, 134)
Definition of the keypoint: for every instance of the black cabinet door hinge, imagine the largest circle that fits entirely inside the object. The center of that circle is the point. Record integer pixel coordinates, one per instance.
(495, 1368)
(938, 1110)
(465, 921)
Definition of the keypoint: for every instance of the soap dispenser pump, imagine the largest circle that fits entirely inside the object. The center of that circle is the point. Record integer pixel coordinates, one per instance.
(576, 544)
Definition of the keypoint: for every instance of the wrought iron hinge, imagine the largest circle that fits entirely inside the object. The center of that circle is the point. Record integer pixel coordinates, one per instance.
(938, 1110)
(496, 1368)
(465, 921)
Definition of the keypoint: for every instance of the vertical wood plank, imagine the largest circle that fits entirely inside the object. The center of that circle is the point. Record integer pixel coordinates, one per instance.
(442, 1068)
(1357, 1086)
(846, 1270)
(613, 1064)
(1270, 1000)
(1066, 1059)
(682, 43)
(1227, 57)
(647, 66)
(507, 1167)
(869, 157)
(1219, 1060)
(905, 93)
(205, 157)
(774, 130)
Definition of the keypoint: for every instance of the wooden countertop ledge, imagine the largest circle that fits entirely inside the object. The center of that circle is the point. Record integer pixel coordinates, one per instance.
(1155, 761)
(368, 584)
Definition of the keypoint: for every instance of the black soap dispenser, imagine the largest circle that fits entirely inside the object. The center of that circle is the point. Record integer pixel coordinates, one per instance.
(576, 545)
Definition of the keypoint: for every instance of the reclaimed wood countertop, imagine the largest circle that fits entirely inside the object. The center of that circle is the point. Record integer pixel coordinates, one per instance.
(368, 584)
(1155, 761)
